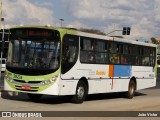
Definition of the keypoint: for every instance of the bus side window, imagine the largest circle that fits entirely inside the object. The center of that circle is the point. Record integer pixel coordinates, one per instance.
(66, 53)
(87, 54)
(123, 60)
(72, 54)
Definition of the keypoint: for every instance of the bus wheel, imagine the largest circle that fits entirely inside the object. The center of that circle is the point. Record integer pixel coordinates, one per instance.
(34, 97)
(81, 92)
(131, 89)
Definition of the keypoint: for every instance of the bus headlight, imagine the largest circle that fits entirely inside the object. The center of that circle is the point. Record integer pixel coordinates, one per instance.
(46, 82)
(9, 79)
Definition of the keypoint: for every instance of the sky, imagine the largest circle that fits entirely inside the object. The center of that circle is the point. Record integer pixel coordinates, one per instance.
(106, 15)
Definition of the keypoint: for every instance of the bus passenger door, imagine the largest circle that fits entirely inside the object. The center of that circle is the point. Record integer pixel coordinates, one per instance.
(69, 55)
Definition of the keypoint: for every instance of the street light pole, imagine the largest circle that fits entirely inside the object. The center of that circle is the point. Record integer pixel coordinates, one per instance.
(1, 38)
(1, 52)
(113, 31)
(1, 19)
(61, 21)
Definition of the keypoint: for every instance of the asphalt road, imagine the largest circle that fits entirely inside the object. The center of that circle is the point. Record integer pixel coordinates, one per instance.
(143, 100)
(115, 105)
(112, 105)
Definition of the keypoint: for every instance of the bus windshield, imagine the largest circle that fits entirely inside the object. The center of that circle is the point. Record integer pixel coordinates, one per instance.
(38, 55)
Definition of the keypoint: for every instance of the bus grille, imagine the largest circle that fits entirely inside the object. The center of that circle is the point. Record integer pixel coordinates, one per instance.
(32, 82)
(32, 89)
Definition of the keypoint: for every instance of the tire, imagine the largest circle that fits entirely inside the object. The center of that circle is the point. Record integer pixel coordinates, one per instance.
(34, 97)
(131, 89)
(81, 92)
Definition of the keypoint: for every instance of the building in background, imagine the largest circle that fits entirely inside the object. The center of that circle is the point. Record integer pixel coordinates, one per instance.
(3, 47)
(158, 54)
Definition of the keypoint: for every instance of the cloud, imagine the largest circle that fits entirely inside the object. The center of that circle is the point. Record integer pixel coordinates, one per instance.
(142, 15)
(23, 12)
(77, 24)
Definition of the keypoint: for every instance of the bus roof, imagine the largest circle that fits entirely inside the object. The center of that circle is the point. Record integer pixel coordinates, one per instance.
(92, 35)
(115, 39)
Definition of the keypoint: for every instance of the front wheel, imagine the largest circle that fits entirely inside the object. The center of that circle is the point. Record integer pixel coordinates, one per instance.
(81, 92)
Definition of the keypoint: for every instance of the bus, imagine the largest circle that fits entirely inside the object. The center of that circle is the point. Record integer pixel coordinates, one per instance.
(64, 61)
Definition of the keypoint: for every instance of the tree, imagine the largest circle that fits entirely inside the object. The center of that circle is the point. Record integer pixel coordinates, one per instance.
(155, 41)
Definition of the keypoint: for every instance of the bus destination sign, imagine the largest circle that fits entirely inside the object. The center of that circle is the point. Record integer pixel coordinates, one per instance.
(32, 33)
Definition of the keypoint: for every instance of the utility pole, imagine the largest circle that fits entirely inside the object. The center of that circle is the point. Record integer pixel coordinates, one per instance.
(1, 18)
(0, 38)
(0, 14)
(1, 52)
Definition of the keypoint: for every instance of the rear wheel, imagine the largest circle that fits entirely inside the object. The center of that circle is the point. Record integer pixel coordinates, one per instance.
(34, 97)
(81, 92)
(131, 89)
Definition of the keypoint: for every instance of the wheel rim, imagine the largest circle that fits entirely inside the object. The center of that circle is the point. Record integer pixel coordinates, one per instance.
(80, 92)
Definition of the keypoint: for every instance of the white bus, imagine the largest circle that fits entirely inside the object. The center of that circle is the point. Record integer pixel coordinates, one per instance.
(61, 61)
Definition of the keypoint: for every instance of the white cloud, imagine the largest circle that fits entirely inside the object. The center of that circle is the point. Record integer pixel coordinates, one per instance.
(141, 15)
(22, 12)
(77, 24)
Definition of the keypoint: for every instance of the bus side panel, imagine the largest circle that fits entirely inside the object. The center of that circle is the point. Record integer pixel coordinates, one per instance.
(119, 85)
(106, 78)
(145, 83)
(122, 71)
(68, 87)
(98, 86)
(98, 77)
(145, 76)
(108, 85)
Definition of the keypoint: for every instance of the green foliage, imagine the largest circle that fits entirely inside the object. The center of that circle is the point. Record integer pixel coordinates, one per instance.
(154, 41)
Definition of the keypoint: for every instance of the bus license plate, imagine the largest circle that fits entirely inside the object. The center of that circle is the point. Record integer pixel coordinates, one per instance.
(24, 87)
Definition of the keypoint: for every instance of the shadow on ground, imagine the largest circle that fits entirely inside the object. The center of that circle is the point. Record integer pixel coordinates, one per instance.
(48, 99)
